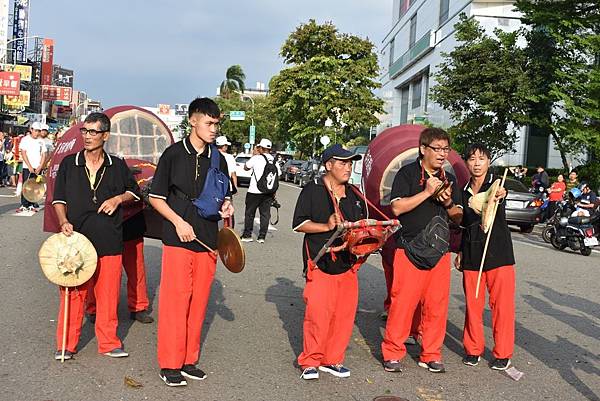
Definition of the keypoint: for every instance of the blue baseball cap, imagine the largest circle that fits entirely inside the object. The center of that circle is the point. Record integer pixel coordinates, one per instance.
(336, 151)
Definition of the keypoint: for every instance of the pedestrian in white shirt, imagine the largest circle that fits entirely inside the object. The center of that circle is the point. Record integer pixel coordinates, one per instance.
(33, 154)
(223, 145)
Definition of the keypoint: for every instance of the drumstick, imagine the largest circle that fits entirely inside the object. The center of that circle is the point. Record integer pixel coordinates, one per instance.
(487, 239)
(66, 314)
(204, 245)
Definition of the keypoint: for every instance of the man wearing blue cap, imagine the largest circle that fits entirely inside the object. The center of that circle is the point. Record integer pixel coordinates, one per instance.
(331, 291)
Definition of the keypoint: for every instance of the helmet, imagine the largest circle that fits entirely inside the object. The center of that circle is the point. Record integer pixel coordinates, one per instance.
(575, 193)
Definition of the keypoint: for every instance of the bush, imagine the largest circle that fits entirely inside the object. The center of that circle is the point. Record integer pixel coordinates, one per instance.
(590, 173)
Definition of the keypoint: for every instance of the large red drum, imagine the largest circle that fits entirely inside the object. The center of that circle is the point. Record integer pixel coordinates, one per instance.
(138, 136)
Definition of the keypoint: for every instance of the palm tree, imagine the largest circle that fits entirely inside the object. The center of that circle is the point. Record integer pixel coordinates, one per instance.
(234, 81)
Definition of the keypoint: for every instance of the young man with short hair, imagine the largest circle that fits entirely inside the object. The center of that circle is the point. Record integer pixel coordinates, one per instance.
(255, 198)
(89, 189)
(331, 292)
(421, 191)
(188, 267)
(498, 275)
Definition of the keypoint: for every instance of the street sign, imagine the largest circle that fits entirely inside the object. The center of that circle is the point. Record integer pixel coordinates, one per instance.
(252, 134)
(237, 115)
(247, 146)
(325, 140)
(10, 83)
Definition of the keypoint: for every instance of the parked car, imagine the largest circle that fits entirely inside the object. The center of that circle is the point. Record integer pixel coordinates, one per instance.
(243, 176)
(522, 207)
(308, 170)
(356, 175)
(290, 168)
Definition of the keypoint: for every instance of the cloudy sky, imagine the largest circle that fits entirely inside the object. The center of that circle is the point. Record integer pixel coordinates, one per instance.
(146, 52)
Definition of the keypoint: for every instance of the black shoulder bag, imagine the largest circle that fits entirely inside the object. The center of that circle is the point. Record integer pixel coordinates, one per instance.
(428, 247)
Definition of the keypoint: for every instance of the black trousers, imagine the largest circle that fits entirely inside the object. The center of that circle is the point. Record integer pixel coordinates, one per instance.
(261, 202)
(26, 175)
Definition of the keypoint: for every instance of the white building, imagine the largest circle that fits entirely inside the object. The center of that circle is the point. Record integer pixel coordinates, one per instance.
(411, 51)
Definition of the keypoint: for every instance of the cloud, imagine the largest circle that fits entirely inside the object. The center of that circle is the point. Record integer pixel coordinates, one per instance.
(159, 51)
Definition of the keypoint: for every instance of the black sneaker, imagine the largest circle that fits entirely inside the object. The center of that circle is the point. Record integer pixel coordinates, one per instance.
(392, 365)
(172, 377)
(338, 370)
(58, 355)
(310, 373)
(142, 316)
(500, 364)
(471, 360)
(433, 366)
(192, 372)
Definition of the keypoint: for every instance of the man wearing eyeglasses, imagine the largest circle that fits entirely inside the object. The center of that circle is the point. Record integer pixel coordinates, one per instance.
(89, 189)
(421, 191)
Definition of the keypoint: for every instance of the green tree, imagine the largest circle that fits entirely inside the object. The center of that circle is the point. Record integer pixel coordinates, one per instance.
(483, 84)
(234, 81)
(327, 88)
(564, 53)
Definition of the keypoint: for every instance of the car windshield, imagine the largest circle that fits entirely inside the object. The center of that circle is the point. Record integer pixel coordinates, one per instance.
(514, 185)
(242, 159)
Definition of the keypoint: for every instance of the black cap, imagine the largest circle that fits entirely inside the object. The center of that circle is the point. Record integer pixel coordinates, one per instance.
(338, 152)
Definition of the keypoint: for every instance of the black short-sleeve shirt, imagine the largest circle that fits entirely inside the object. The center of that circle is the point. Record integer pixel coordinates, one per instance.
(500, 249)
(72, 188)
(409, 181)
(182, 171)
(134, 227)
(315, 204)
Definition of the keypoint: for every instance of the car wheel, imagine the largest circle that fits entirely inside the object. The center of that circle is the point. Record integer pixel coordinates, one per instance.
(585, 251)
(526, 229)
(548, 231)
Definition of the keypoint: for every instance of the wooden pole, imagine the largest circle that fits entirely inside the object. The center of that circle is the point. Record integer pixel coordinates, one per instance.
(65, 320)
(487, 239)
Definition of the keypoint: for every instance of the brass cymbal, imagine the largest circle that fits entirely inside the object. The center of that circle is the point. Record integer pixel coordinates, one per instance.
(34, 189)
(230, 249)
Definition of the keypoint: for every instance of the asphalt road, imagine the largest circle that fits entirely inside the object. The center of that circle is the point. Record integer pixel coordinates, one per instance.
(253, 331)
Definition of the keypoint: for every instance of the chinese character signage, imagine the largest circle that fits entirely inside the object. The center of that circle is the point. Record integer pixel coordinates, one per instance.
(47, 61)
(15, 102)
(181, 109)
(20, 29)
(51, 92)
(3, 28)
(24, 70)
(10, 83)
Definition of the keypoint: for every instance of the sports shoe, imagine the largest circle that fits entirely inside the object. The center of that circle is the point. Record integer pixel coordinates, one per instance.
(172, 377)
(192, 372)
(58, 355)
(393, 365)
(500, 364)
(471, 360)
(310, 373)
(260, 240)
(337, 370)
(22, 209)
(433, 366)
(117, 353)
(246, 239)
(142, 316)
(32, 209)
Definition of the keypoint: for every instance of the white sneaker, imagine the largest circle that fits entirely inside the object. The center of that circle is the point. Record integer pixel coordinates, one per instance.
(260, 240)
(246, 239)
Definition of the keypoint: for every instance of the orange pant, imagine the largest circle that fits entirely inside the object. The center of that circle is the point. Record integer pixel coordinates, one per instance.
(500, 283)
(410, 287)
(331, 302)
(137, 292)
(105, 283)
(186, 278)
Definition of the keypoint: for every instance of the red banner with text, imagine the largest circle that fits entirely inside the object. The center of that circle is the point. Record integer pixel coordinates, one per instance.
(47, 61)
(10, 83)
(51, 92)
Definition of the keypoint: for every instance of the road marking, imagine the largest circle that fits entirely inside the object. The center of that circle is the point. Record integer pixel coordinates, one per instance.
(289, 185)
(540, 246)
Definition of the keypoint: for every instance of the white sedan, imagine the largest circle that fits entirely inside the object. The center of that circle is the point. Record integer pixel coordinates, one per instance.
(243, 176)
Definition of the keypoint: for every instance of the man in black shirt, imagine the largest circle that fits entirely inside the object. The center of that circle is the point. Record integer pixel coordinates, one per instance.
(421, 191)
(331, 292)
(188, 267)
(90, 186)
(498, 270)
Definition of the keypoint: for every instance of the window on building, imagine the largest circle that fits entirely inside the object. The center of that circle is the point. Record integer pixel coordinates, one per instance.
(413, 31)
(426, 92)
(416, 93)
(444, 8)
(404, 104)
(392, 45)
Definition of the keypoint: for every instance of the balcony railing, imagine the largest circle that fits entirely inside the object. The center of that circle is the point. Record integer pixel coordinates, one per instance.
(420, 47)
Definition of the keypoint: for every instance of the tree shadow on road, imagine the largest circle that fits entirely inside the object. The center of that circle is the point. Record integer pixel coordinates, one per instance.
(568, 300)
(372, 292)
(216, 306)
(288, 300)
(12, 207)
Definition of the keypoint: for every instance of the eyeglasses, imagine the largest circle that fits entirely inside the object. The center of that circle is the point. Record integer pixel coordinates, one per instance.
(91, 132)
(439, 150)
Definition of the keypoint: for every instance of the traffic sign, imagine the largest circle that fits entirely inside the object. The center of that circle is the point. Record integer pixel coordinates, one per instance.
(237, 115)
(247, 146)
(325, 140)
(252, 135)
